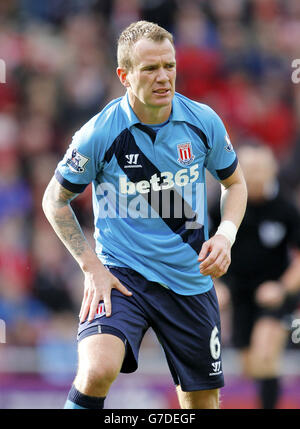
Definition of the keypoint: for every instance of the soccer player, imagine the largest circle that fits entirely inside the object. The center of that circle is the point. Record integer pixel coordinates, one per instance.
(145, 154)
(264, 277)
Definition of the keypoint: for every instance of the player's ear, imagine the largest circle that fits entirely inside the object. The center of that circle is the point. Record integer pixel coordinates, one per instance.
(122, 75)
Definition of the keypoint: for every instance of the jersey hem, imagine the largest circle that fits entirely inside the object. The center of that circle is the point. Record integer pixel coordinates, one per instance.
(154, 280)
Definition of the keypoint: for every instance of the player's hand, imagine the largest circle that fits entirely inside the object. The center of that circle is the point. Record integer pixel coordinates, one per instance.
(97, 287)
(215, 256)
(270, 294)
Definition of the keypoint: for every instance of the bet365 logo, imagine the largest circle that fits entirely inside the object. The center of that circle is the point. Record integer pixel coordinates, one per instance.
(2, 71)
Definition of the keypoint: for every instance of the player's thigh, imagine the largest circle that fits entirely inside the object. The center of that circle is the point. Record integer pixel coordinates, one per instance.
(100, 358)
(190, 336)
(200, 399)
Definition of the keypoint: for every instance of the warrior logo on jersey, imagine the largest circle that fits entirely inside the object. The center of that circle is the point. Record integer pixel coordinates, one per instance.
(185, 153)
(76, 161)
(228, 146)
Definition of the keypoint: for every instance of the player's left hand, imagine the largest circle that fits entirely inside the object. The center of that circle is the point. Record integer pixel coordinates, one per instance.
(215, 256)
(270, 294)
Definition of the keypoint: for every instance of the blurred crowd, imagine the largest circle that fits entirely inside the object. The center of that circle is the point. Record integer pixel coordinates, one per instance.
(60, 56)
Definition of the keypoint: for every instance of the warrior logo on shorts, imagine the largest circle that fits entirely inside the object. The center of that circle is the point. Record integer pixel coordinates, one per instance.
(76, 161)
(185, 153)
(217, 368)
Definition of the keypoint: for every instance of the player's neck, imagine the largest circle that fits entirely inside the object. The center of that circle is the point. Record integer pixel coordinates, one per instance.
(150, 115)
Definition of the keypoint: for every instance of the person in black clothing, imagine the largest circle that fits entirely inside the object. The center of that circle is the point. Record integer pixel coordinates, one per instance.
(264, 276)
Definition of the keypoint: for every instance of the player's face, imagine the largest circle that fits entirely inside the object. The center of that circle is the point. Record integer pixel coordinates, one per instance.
(151, 81)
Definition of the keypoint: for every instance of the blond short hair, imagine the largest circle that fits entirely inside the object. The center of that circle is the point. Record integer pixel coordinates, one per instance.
(134, 32)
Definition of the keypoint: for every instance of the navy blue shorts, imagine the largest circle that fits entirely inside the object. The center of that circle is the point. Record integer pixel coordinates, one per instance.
(187, 327)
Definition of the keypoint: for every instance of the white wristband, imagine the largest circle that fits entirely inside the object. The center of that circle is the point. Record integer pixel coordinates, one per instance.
(228, 229)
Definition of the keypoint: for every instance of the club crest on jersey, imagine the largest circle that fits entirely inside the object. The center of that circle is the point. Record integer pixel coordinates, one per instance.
(100, 310)
(185, 153)
(76, 161)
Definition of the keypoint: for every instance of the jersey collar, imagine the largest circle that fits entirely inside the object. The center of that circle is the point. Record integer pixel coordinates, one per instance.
(176, 114)
(130, 115)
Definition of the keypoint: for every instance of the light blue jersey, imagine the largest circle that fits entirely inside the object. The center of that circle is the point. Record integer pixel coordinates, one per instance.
(149, 193)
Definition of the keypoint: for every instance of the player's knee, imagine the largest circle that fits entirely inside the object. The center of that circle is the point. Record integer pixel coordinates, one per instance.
(100, 361)
(106, 374)
(97, 379)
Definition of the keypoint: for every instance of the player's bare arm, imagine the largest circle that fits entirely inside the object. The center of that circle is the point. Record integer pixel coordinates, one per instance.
(215, 254)
(98, 281)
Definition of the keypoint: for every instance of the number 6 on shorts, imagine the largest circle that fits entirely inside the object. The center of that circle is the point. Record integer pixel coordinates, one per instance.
(214, 344)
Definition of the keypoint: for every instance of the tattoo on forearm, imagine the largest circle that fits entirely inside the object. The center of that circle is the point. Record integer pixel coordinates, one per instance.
(63, 220)
(68, 229)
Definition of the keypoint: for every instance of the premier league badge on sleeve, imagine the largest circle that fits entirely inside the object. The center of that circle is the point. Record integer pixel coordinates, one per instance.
(76, 161)
(185, 153)
(228, 145)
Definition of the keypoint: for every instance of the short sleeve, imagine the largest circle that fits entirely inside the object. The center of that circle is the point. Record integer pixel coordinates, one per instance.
(221, 160)
(80, 164)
